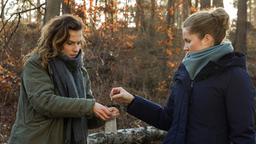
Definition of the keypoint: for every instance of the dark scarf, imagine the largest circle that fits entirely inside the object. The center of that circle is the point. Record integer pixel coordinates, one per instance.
(68, 79)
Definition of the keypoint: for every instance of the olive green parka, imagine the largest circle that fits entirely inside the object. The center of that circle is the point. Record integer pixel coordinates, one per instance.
(41, 111)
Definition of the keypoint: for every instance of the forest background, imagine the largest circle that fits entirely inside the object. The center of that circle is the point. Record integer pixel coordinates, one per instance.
(136, 44)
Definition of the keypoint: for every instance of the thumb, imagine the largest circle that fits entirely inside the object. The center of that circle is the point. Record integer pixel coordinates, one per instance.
(114, 91)
(117, 96)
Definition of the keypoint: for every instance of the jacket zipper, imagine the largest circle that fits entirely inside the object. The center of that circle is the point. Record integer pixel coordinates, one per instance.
(192, 84)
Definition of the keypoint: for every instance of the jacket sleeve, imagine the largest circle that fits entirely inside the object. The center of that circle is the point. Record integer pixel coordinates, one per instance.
(88, 84)
(239, 103)
(41, 95)
(93, 121)
(152, 113)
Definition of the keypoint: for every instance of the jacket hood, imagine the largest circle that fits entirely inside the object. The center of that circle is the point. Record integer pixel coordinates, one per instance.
(234, 59)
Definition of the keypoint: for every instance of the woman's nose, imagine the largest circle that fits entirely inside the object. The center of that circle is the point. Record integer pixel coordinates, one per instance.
(76, 47)
(185, 48)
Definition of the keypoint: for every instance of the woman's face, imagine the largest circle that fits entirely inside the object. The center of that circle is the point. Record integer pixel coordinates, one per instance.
(192, 42)
(73, 45)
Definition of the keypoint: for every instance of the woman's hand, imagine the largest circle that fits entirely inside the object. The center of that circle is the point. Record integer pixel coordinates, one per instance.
(114, 112)
(102, 112)
(120, 95)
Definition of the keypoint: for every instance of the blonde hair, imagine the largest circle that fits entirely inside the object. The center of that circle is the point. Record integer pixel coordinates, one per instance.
(215, 23)
(53, 35)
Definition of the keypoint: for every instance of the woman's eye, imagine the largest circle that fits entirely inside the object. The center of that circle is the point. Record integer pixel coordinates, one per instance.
(73, 43)
(69, 43)
(187, 41)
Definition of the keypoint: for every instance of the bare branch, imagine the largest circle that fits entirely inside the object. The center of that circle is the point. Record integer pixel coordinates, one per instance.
(24, 11)
(19, 13)
(30, 3)
(4, 24)
(2, 9)
(16, 27)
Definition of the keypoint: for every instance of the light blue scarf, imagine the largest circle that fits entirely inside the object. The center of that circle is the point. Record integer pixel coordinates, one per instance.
(195, 61)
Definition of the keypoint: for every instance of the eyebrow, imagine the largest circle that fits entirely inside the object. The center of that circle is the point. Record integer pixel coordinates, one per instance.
(73, 41)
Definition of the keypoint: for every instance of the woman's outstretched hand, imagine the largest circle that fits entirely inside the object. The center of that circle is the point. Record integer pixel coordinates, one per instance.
(105, 113)
(101, 111)
(120, 95)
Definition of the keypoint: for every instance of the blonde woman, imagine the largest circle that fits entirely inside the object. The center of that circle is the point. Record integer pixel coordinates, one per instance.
(212, 97)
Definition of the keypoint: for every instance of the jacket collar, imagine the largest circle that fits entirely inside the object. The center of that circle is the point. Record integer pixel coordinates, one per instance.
(233, 59)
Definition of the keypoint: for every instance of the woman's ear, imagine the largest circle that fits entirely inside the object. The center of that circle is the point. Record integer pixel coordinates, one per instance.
(208, 40)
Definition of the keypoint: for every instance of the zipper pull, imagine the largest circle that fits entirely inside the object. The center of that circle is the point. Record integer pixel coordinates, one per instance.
(192, 84)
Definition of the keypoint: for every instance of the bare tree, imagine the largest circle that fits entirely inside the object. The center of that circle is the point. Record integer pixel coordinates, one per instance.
(253, 13)
(170, 12)
(151, 29)
(186, 9)
(196, 3)
(39, 14)
(139, 18)
(52, 9)
(66, 6)
(3, 5)
(217, 3)
(241, 29)
(205, 4)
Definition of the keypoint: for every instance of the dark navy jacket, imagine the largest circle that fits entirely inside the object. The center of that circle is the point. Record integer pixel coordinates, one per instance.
(215, 108)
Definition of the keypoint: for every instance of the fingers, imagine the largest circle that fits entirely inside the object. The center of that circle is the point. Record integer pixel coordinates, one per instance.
(117, 96)
(102, 111)
(108, 113)
(115, 91)
(115, 112)
(102, 115)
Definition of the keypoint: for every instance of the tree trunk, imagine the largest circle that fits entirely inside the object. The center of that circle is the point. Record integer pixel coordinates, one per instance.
(254, 15)
(113, 11)
(170, 13)
(38, 15)
(29, 14)
(2, 10)
(3, 4)
(218, 3)
(152, 21)
(95, 12)
(205, 4)
(241, 29)
(186, 9)
(52, 9)
(139, 18)
(128, 136)
(196, 3)
(250, 2)
(66, 7)
(105, 11)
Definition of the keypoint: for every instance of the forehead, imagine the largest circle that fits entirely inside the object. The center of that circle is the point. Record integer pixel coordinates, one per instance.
(75, 34)
(187, 34)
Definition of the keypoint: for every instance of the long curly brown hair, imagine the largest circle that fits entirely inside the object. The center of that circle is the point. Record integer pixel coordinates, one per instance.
(53, 35)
